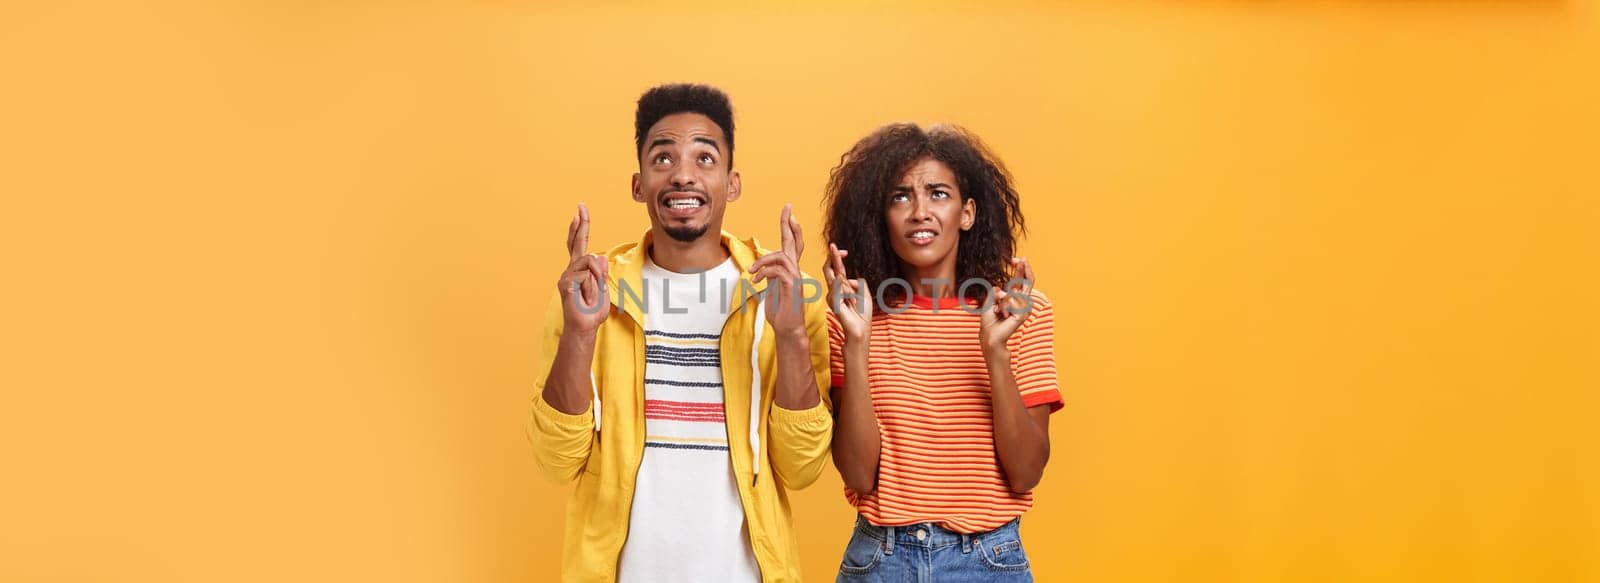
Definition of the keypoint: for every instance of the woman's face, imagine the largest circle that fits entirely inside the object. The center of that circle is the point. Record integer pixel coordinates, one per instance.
(926, 215)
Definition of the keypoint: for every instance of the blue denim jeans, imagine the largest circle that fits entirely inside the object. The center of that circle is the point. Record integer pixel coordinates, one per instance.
(927, 553)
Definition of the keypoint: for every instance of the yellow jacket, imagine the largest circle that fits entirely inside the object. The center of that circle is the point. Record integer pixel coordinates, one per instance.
(602, 448)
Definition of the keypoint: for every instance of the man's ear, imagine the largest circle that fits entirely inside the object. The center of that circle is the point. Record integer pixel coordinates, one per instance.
(969, 213)
(637, 196)
(735, 185)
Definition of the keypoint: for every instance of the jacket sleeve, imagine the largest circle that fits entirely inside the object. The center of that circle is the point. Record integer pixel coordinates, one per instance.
(560, 441)
(799, 440)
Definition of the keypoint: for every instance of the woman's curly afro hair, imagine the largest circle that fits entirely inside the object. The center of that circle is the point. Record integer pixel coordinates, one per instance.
(857, 199)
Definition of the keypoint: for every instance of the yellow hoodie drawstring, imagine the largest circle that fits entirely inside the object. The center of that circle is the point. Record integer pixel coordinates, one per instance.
(755, 392)
(595, 388)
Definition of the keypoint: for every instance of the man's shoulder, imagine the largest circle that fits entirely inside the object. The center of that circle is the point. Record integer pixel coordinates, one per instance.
(621, 249)
(745, 249)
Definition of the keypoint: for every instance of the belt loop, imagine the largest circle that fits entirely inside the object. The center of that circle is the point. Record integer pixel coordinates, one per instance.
(966, 543)
(888, 540)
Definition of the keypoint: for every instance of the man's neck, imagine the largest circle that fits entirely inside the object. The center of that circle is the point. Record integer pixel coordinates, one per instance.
(693, 257)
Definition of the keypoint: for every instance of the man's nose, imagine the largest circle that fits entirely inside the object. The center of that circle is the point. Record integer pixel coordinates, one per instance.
(682, 177)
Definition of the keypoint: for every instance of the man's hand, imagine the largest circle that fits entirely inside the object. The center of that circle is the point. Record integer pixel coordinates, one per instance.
(583, 285)
(781, 269)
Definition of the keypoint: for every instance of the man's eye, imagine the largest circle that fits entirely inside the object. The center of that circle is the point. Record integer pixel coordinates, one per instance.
(706, 159)
(662, 159)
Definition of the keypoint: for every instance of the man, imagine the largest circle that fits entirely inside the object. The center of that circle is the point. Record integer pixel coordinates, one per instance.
(684, 391)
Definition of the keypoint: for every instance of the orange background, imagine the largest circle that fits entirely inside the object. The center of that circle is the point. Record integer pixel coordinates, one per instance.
(1324, 273)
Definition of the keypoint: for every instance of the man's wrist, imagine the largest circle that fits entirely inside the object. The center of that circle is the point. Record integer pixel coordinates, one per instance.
(793, 338)
(584, 339)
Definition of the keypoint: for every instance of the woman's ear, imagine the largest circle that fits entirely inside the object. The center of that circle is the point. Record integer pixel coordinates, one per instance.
(969, 213)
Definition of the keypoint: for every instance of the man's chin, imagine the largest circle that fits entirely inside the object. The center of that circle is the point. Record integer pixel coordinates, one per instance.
(685, 234)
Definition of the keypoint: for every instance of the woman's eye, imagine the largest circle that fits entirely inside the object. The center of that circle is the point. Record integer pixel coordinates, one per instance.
(898, 198)
(941, 194)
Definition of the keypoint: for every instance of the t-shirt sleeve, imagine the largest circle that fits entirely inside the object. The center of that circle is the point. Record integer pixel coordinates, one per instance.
(1033, 356)
(835, 351)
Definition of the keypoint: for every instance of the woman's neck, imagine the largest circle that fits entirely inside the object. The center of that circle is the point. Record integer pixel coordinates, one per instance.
(936, 282)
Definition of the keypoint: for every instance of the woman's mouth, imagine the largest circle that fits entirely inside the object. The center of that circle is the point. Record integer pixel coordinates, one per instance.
(922, 236)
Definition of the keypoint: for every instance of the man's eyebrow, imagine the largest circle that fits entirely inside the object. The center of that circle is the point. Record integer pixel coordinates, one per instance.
(708, 141)
(662, 142)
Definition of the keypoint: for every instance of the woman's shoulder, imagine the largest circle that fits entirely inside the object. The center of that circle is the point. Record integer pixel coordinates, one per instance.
(1041, 312)
(1038, 297)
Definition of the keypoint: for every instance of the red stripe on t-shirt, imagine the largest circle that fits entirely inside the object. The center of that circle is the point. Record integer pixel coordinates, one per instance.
(683, 411)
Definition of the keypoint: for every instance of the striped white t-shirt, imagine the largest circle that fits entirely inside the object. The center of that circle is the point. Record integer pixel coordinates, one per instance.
(687, 523)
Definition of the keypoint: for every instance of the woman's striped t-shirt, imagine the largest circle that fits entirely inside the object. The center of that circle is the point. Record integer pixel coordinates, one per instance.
(930, 391)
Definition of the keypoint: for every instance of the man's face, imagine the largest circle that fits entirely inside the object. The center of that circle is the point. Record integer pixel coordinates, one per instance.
(684, 179)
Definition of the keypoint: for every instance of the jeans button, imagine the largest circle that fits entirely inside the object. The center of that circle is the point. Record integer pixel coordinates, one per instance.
(922, 535)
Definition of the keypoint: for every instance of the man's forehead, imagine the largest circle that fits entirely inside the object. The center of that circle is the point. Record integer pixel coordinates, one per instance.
(684, 126)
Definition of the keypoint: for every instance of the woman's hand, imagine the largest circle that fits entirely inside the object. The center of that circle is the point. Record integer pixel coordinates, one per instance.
(850, 305)
(1011, 308)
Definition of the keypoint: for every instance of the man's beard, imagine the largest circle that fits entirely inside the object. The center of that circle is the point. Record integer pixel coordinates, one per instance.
(686, 234)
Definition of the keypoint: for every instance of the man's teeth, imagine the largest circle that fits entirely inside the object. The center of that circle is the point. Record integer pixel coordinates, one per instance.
(683, 203)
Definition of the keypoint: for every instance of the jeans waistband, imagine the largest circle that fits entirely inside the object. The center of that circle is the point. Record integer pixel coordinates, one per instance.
(927, 534)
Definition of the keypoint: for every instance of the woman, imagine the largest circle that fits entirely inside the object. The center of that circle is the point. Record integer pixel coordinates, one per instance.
(944, 389)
